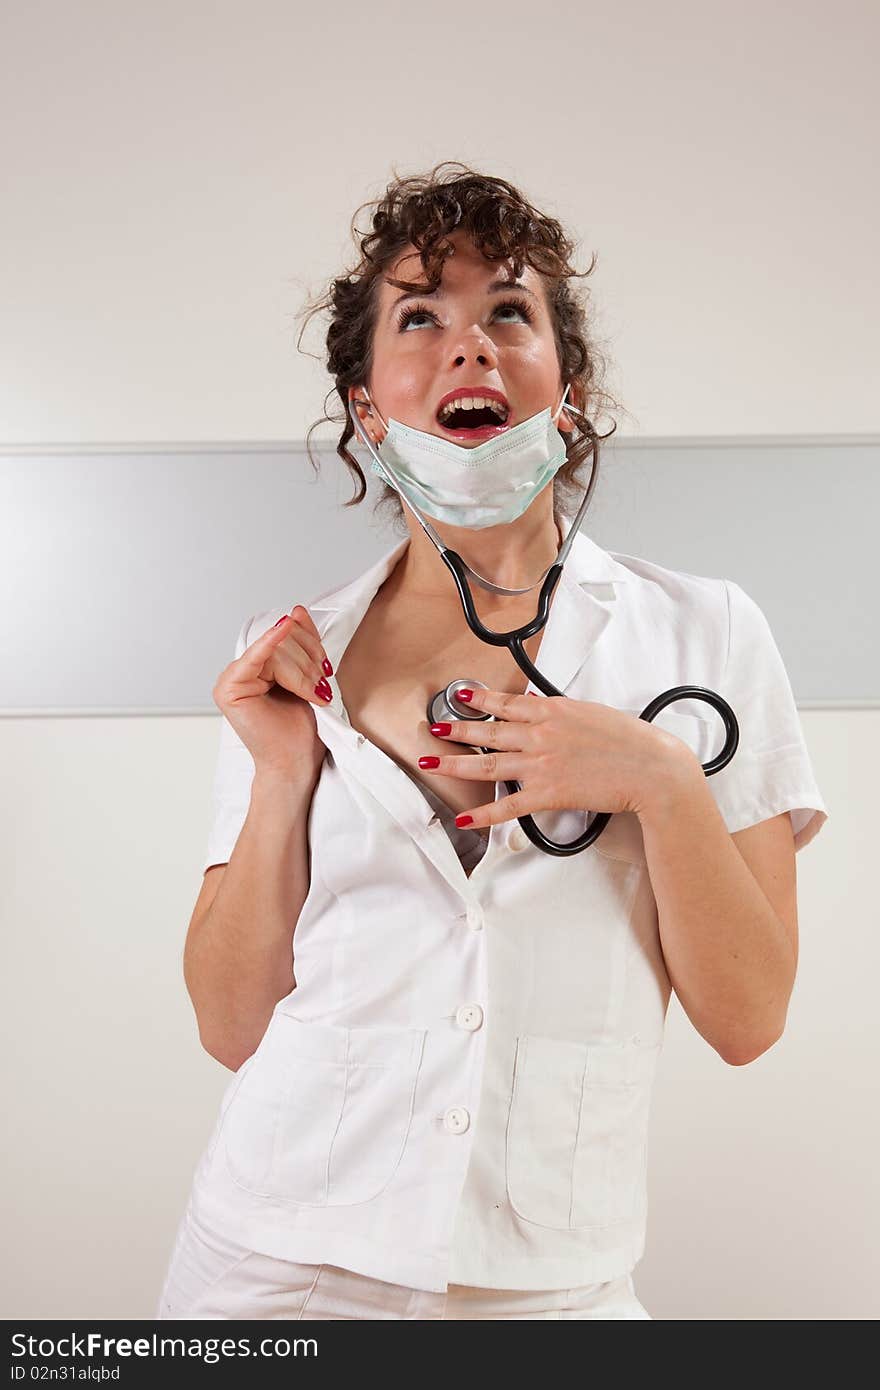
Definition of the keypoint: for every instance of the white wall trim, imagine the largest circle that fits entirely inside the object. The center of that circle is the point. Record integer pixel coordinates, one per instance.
(297, 446)
(144, 713)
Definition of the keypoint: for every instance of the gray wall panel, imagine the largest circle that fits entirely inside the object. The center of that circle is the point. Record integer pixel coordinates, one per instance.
(127, 572)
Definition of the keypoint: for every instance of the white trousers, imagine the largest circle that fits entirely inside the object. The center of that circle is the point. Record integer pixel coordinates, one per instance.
(211, 1277)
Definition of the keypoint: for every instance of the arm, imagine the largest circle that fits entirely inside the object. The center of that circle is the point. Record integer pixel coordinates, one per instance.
(729, 934)
(238, 956)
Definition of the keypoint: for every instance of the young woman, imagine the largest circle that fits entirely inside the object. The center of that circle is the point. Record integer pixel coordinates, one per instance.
(444, 1112)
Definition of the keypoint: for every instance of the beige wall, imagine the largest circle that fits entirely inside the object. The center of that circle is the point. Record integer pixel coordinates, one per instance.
(180, 176)
(177, 176)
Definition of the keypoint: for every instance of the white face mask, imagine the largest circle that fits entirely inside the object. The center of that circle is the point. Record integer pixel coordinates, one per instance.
(488, 485)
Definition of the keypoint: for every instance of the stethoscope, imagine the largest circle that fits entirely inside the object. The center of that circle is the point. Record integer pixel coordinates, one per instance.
(444, 704)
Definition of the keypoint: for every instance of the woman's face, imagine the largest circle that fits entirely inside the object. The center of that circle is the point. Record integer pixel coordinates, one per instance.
(465, 338)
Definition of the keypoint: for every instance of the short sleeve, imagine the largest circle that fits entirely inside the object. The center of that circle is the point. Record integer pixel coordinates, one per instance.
(771, 771)
(233, 776)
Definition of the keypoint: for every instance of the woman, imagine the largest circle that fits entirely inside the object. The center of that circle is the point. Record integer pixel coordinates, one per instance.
(444, 1114)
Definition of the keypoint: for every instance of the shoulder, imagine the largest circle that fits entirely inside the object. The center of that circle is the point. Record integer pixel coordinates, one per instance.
(676, 611)
(649, 575)
(320, 607)
(350, 593)
(713, 619)
(650, 586)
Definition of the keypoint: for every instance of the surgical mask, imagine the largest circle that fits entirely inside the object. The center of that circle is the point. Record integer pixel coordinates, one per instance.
(488, 485)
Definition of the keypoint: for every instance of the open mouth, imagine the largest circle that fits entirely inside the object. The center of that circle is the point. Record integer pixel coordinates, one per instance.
(473, 419)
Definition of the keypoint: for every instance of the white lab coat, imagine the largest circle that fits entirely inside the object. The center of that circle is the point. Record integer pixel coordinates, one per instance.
(458, 1088)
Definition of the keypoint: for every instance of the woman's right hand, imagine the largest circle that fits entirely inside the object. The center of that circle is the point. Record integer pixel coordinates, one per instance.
(267, 694)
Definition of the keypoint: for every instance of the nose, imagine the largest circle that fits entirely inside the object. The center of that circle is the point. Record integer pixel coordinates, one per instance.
(478, 349)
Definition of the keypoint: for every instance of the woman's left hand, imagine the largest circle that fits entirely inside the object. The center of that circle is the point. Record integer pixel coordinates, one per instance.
(567, 754)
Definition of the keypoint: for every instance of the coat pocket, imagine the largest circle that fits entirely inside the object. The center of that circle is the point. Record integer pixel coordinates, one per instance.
(576, 1142)
(322, 1117)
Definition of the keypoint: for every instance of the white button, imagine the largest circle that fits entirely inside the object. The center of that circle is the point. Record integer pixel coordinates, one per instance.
(469, 1016)
(456, 1119)
(475, 917)
(518, 838)
(361, 740)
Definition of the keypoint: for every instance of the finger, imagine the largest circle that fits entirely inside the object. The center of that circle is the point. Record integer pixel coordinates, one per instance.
(293, 678)
(494, 812)
(489, 733)
(310, 654)
(482, 767)
(302, 675)
(304, 617)
(310, 637)
(502, 704)
(291, 668)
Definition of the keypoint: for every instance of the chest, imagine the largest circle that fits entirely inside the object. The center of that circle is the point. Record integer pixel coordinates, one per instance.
(400, 656)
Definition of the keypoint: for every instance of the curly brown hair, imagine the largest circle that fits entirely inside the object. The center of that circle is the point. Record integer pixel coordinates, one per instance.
(421, 210)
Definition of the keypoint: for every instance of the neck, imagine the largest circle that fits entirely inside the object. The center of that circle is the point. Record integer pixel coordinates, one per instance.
(513, 555)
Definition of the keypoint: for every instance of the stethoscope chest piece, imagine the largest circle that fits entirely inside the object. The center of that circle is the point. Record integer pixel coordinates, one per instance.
(444, 706)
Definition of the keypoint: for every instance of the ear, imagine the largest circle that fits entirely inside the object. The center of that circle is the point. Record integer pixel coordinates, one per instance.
(358, 402)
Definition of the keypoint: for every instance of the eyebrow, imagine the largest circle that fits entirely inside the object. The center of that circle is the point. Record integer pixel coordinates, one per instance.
(440, 293)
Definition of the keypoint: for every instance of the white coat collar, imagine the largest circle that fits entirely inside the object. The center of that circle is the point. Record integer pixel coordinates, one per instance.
(581, 607)
(587, 564)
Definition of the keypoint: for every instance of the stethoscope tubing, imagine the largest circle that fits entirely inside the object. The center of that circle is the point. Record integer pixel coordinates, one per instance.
(514, 640)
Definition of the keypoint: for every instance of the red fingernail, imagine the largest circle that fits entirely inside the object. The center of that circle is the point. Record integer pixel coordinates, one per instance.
(429, 762)
(464, 695)
(441, 729)
(323, 689)
(463, 819)
(281, 620)
(534, 692)
(326, 667)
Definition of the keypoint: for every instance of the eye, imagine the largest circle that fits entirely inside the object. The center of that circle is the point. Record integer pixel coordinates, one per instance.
(415, 311)
(520, 305)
